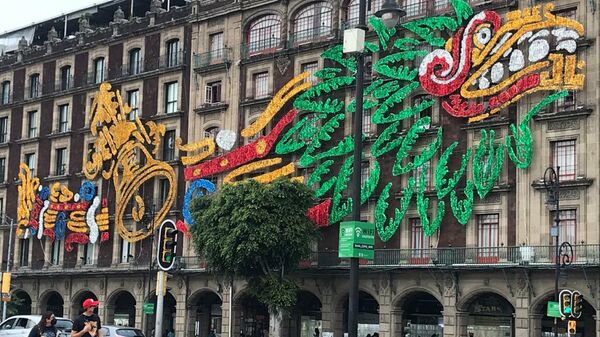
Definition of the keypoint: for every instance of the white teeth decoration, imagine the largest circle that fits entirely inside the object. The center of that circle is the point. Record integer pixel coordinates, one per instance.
(517, 61)
(501, 43)
(569, 45)
(538, 50)
(563, 33)
(507, 52)
(497, 72)
(484, 83)
(226, 139)
(540, 34)
(524, 37)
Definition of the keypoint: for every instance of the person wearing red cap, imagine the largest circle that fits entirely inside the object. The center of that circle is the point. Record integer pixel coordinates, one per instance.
(88, 323)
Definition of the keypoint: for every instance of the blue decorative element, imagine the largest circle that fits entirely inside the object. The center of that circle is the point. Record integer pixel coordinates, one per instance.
(194, 190)
(44, 193)
(60, 226)
(33, 231)
(87, 191)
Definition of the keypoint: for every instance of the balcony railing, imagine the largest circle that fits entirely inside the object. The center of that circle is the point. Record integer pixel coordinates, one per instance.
(310, 35)
(263, 46)
(451, 257)
(214, 57)
(171, 60)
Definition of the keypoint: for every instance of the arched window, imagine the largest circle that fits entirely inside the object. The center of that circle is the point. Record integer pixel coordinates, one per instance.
(264, 33)
(352, 12)
(312, 21)
(211, 132)
(135, 61)
(173, 53)
(99, 70)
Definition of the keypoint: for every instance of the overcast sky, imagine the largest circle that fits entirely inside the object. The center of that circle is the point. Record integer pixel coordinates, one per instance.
(20, 13)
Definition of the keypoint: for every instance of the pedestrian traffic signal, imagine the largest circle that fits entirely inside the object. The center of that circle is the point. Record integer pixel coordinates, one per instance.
(577, 304)
(565, 302)
(167, 245)
(572, 328)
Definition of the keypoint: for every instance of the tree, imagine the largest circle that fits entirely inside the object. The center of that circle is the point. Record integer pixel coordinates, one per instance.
(258, 232)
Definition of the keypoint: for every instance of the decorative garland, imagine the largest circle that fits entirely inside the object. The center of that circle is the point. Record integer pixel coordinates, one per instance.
(386, 232)
(443, 185)
(429, 226)
(487, 164)
(462, 209)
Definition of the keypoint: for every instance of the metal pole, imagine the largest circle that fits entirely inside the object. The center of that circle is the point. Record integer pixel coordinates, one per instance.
(8, 258)
(556, 192)
(160, 296)
(131, 10)
(230, 309)
(356, 174)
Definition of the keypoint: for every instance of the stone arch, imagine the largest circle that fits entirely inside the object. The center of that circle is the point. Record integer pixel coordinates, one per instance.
(52, 300)
(417, 311)
(120, 308)
(487, 311)
(169, 312)
(463, 303)
(77, 302)
(246, 22)
(23, 302)
(341, 299)
(293, 11)
(306, 316)
(368, 313)
(250, 317)
(204, 310)
(540, 324)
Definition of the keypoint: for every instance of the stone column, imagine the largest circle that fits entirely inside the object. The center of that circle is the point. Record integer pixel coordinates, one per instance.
(384, 317)
(338, 322)
(462, 318)
(521, 321)
(535, 325)
(180, 314)
(396, 324)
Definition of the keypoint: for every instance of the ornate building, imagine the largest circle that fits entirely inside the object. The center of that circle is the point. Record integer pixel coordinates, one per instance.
(209, 70)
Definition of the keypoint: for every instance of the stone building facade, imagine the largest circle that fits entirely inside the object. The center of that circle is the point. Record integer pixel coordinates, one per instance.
(227, 59)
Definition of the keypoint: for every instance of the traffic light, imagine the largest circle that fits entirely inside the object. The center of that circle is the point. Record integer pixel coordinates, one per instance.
(167, 245)
(577, 304)
(565, 302)
(572, 328)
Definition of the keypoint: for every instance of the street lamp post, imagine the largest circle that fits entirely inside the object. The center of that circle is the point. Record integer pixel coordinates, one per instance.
(390, 13)
(564, 252)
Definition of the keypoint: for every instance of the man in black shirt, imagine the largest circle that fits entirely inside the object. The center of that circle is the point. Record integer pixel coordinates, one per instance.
(88, 323)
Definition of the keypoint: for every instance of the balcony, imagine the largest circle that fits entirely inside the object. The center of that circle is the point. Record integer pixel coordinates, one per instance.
(212, 59)
(261, 47)
(312, 35)
(33, 92)
(171, 60)
(452, 257)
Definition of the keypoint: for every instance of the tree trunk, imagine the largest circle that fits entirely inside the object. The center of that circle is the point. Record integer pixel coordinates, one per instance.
(275, 322)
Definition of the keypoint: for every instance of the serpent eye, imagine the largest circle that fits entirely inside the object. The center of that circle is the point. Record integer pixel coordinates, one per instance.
(483, 36)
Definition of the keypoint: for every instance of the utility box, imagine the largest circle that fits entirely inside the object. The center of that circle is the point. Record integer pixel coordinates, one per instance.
(354, 40)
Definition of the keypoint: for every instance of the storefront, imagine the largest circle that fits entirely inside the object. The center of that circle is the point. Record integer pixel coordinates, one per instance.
(490, 315)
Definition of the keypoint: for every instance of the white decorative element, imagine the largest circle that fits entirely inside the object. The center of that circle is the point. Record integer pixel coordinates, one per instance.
(76, 197)
(517, 61)
(90, 219)
(538, 50)
(563, 33)
(226, 139)
(441, 53)
(524, 37)
(484, 35)
(497, 72)
(507, 52)
(501, 43)
(484, 83)
(40, 231)
(569, 45)
(539, 34)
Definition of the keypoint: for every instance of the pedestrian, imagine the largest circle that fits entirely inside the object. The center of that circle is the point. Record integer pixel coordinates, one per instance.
(88, 323)
(46, 327)
(170, 333)
(316, 334)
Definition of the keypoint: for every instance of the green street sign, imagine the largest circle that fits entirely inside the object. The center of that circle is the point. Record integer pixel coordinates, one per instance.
(148, 308)
(553, 309)
(357, 240)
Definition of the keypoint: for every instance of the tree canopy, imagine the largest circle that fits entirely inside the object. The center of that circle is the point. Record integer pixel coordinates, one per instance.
(258, 232)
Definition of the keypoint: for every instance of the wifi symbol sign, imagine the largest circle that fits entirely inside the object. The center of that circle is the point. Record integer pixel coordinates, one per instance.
(358, 231)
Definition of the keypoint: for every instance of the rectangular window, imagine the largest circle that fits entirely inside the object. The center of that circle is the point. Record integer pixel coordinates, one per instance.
(88, 253)
(365, 170)
(56, 247)
(569, 13)
(171, 97)
(133, 97)
(213, 92)
(312, 68)
(487, 239)
(30, 162)
(63, 118)
(125, 251)
(418, 171)
(65, 78)
(32, 130)
(168, 152)
(134, 62)
(99, 70)
(34, 86)
(3, 129)
(2, 169)
(163, 189)
(261, 85)
(564, 155)
(566, 103)
(567, 226)
(61, 162)
(1, 208)
(216, 47)
(173, 53)
(419, 242)
(367, 126)
(24, 253)
(6, 92)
